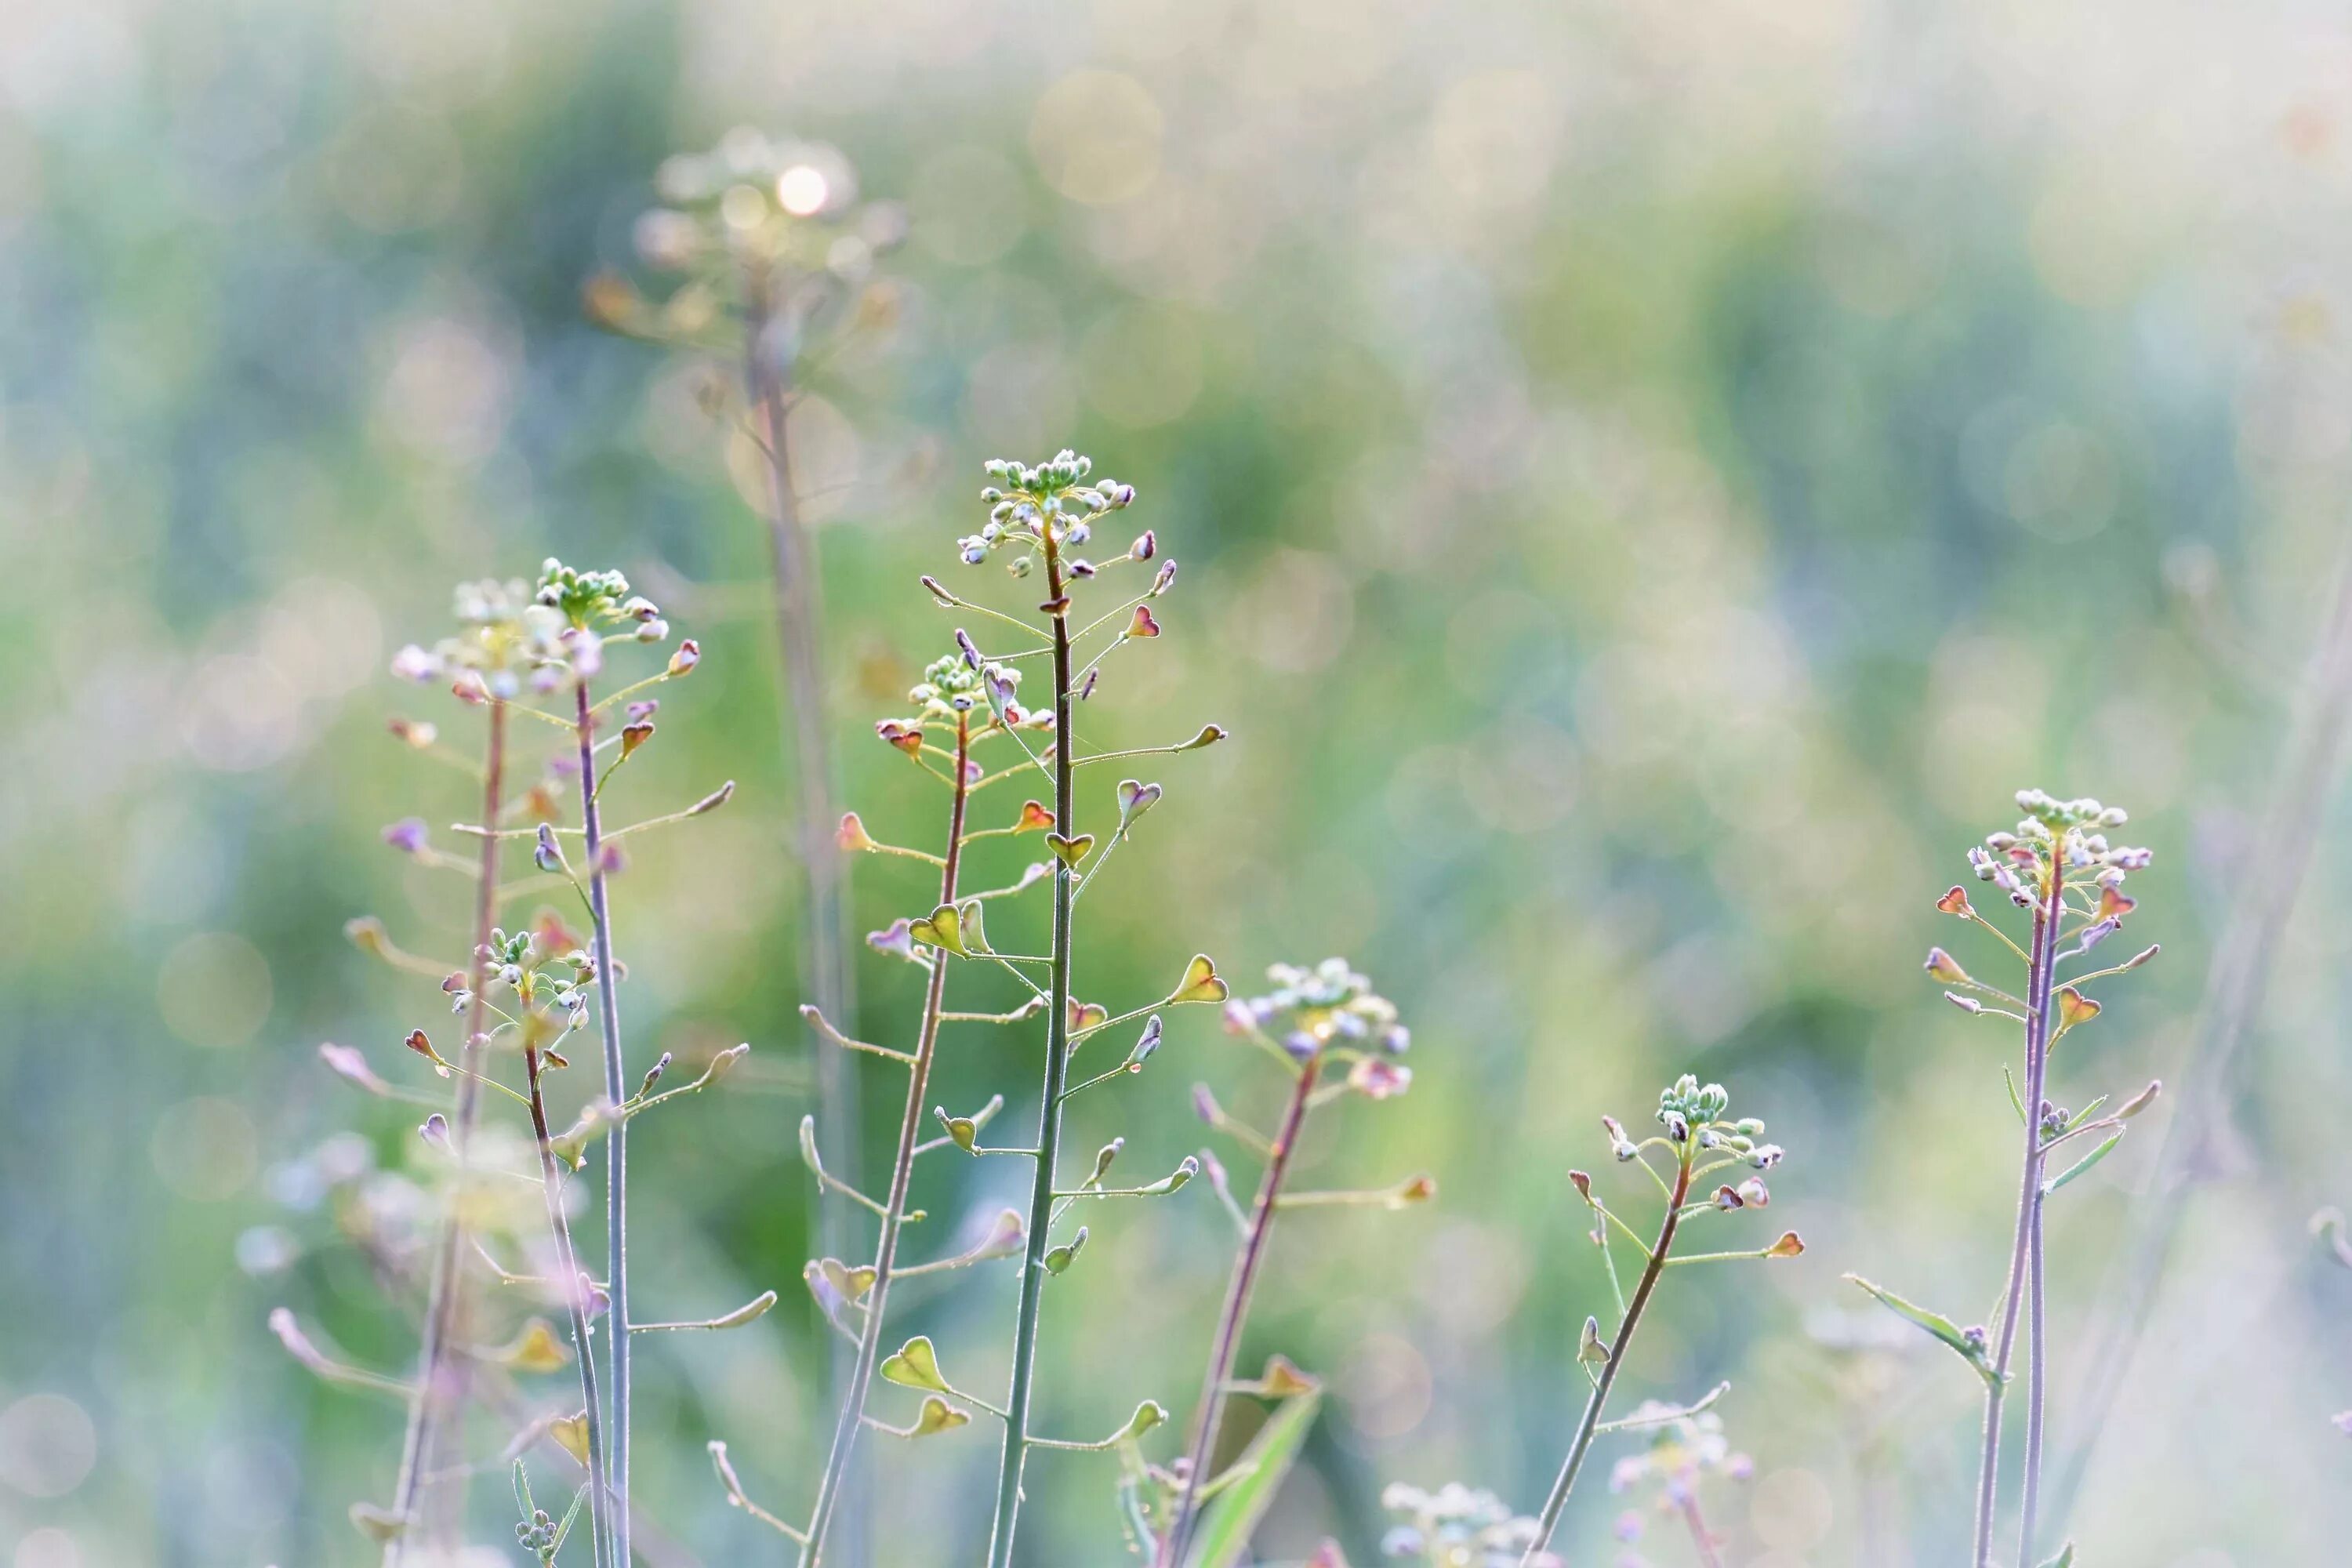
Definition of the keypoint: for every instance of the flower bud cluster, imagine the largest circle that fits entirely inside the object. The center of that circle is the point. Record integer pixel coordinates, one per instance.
(1457, 1527)
(537, 1535)
(2064, 837)
(954, 685)
(1691, 1113)
(1329, 1008)
(591, 599)
(1054, 505)
(545, 966)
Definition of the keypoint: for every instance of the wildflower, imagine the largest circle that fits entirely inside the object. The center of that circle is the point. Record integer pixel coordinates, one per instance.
(1456, 1527)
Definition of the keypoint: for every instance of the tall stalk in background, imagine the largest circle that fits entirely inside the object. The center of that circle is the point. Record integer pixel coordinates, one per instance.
(2262, 903)
(1328, 1016)
(772, 231)
(767, 370)
(2059, 867)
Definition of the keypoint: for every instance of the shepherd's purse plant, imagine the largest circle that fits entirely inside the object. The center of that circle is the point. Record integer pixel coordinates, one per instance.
(2060, 868)
(1697, 1141)
(522, 994)
(971, 732)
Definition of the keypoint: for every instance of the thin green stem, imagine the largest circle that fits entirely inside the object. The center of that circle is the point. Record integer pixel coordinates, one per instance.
(2022, 1260)
(617, 1160)
(1581, 1445)
(1049, 1119)
(575, 1299)
(768, 369)
(902, 1171)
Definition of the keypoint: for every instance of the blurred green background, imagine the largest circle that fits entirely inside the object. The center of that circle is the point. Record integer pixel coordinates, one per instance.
(1651, 483)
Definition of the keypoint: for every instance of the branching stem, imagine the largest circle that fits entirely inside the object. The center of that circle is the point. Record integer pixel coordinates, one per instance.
(1049, 1119)
(2024, 1262)
(1548, 1521)
(1178, 1537)
(574, 1290)
(616, 1163)
(886, 1256)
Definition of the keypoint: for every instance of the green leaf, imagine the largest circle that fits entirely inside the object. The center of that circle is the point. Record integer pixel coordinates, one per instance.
(570, 1516)
(2065, 1558)
(2085, 1113)
(2014, 1103)
(1232, 1516)
(1943, 1328)
(2083, 1164)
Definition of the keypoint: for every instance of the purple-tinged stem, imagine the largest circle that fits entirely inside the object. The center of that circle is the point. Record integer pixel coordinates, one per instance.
(2037, 1374)
(1701, 1537)
(1238, 1290)
(617, 1161)
(433, 1404)
(2040, 963)
(902, 1175)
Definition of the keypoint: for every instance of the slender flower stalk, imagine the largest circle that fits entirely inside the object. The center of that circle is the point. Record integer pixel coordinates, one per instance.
(1047, 513)
(2263, 904)
(1057, 1063)
(774, 228)
(435, 1402)
(545, 642)
(1325, 1016)
(852, 1414)
(2023, 1259)
(973, 695)
(617, 1156)
(800, 636)
(1700, 1143)
(574, 1287)
(1238, 1290)
(589, 603)
(2060, 867)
